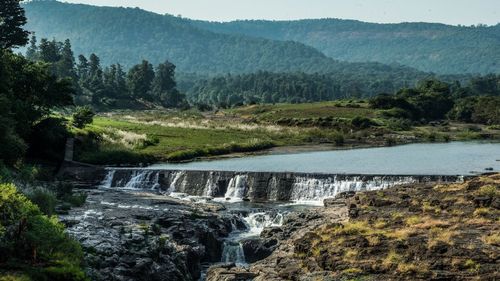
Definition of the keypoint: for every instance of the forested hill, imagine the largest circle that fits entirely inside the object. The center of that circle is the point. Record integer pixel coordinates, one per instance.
(127, 35)
(430, 47)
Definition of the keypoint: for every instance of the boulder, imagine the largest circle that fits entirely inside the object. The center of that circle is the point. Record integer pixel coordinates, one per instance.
(258, 249)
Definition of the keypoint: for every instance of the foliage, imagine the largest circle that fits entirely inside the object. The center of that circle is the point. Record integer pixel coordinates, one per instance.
(28, 91)
(108, 87)
(44, 199)
(268, 87)
(12, 20)
(436, 100)
(430, 47)
(192, 49)
(36, 243)
(49, 138)
(83, 116)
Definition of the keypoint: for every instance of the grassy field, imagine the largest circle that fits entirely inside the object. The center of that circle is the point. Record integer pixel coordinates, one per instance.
(337, 109)
(129, 137)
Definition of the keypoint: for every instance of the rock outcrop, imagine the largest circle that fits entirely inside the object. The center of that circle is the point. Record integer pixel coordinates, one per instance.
(414, 232)
(142, 236)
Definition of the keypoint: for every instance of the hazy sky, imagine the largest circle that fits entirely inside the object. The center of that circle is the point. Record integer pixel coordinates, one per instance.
(455, 12)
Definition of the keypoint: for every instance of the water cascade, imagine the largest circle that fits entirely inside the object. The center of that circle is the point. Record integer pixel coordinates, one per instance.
(233, 252)
(255, 223)
(315, 190)
(108, 180)
(256, 186)
(237, 187)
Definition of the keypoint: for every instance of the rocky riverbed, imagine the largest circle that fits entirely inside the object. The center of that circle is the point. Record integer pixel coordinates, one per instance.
(415, 231)
(144, 236)
(412, 232)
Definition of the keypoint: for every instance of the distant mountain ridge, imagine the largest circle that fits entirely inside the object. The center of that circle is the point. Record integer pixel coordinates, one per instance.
(438, 48)
(127, 35)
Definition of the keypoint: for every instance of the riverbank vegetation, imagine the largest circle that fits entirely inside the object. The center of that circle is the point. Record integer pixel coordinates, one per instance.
(130, 137)
(33, 244)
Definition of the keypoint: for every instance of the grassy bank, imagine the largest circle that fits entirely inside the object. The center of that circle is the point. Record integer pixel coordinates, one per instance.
(149, 136)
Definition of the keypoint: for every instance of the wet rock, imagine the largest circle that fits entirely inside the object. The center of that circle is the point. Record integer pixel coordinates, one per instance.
(258, 249)
(333, 202)
(143, 241)
(345, 195)
(218, 273)
(271, 232)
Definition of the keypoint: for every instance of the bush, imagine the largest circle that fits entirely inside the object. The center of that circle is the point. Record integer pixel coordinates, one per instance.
(44, 199)
(34, 242)
(83, 116)
(362, 122)
(397, 124)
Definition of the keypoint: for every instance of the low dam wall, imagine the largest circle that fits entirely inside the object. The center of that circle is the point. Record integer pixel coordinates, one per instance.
(257, 186)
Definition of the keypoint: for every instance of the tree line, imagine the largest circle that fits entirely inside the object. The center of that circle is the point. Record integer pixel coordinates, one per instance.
(266, 87)
(477, 102)
(110, 86)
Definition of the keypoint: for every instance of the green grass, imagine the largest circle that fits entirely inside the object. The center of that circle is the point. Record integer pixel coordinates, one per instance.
(174, 143)
(337, 109)
(134, 137)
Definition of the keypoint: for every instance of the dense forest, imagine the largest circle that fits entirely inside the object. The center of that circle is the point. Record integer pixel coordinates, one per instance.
(141, 86)
(438, 48)
(267, 87)
(105, 31)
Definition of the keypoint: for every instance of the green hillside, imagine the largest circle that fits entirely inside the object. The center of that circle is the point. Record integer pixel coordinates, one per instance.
(430, 47)
(127, 35)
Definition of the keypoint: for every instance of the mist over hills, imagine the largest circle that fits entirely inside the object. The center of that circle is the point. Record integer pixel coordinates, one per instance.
(438, 48)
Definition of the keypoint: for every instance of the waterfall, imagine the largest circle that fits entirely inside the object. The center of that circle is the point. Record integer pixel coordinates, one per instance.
(108, 180)
(295, 187)
(311, 189)
(211, 186)
(233, 252)
(273, 187)
(255, 223)
(143, 179)
(237, 188)
(176, 177)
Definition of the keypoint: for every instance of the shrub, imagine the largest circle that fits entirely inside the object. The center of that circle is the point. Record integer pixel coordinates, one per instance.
(488, 190)
(28, 238)
(398, 124)
(44, 199)
(362, 122)
(83, 116)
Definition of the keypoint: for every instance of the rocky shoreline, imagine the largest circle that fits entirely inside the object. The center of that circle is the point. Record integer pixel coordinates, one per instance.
(420, 231)
(413, 232)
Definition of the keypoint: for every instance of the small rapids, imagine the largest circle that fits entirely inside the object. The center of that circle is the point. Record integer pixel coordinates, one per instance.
(255, 222)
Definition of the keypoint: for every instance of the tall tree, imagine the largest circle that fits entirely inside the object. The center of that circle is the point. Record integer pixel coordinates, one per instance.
(140, 78)
(82, 68)
(32, 52)
(12, 20)
(67, 61)
(164, 86)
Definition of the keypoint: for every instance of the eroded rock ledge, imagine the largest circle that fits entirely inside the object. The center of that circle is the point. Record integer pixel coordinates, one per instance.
(142, 236)
(413, 232)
